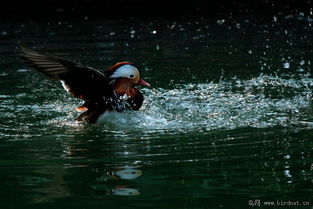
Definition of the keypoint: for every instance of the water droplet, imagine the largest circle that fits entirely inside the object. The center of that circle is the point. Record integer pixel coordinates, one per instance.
(287, 173)
(286, 156)
(288, 17)
(220, 22)
(286, 65)
(302, 62)
(22, 70)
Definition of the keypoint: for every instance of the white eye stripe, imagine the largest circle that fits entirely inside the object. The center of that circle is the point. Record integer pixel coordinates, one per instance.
(128, 71)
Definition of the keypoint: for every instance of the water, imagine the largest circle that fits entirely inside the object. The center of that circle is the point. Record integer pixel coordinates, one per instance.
(227, 124)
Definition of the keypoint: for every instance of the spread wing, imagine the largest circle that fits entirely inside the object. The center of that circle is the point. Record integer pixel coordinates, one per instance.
(80, 81)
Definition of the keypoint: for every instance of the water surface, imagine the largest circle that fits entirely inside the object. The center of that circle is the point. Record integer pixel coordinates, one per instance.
(228, 120)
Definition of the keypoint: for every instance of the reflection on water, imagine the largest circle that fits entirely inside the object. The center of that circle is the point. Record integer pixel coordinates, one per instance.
(228, 120)
(115, 181)
(246, 163)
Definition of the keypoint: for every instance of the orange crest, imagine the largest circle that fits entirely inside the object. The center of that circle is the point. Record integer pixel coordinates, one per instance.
(119, 64)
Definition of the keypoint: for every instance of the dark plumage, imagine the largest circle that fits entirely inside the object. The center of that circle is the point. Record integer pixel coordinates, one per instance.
(103, 91)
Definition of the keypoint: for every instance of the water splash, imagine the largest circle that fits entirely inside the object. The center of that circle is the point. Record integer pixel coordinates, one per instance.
(260, 102)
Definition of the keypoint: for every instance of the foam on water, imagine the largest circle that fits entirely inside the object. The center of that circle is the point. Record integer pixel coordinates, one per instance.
(260, 102)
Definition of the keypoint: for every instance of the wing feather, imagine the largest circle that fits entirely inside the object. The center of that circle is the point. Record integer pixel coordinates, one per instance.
(81, 81)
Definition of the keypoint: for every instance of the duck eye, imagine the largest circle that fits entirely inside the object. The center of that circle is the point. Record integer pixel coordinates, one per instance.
(131, 75)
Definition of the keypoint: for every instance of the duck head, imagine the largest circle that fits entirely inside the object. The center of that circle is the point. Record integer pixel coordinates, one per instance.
(127, 74)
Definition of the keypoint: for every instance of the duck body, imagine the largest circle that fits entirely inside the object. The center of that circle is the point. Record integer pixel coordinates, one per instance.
(102, 91)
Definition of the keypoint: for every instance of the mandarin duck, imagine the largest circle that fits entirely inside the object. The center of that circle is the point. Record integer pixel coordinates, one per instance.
(103, 91)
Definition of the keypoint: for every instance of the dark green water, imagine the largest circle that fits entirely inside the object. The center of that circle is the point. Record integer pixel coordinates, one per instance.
(227, 124)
